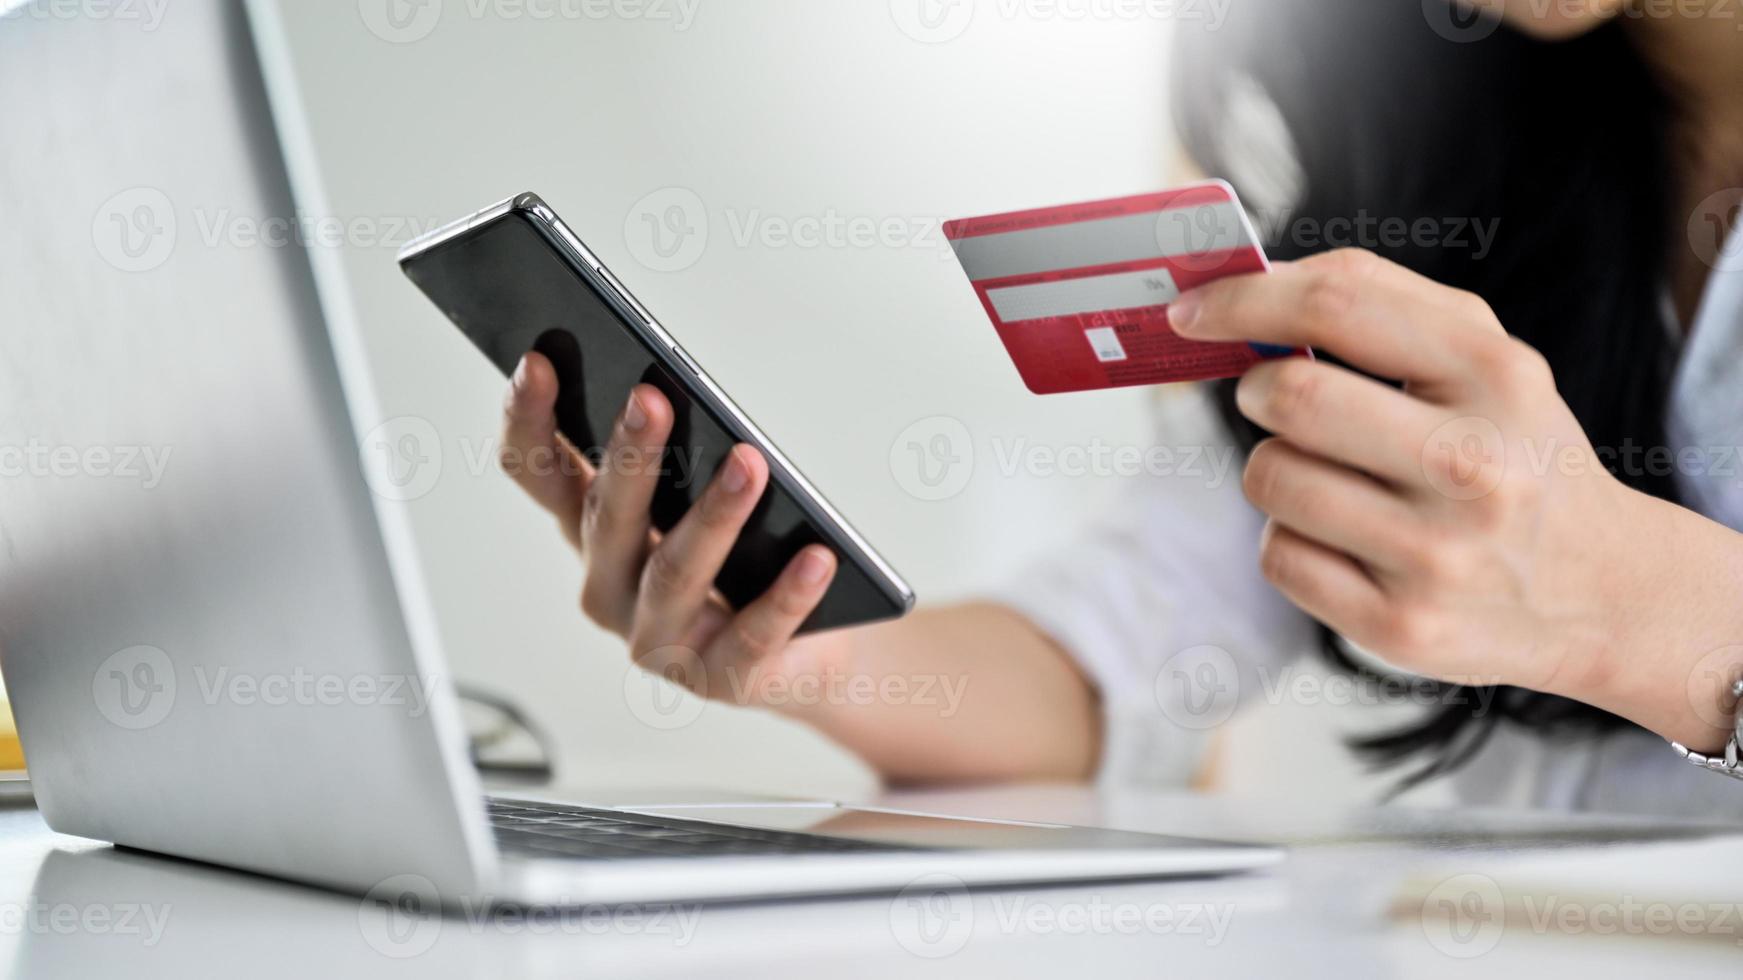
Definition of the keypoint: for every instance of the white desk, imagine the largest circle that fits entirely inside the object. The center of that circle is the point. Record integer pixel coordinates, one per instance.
(71, 908)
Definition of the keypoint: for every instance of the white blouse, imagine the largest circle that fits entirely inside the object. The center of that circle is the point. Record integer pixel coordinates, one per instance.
(1163, 605)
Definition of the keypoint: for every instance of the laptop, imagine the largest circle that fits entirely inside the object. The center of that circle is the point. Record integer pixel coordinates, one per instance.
(213, 633)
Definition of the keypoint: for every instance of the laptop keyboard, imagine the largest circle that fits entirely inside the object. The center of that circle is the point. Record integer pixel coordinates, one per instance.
(554, 830)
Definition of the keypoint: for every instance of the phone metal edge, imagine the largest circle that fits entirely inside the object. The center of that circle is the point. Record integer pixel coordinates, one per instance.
(655, 336)
(643, 321)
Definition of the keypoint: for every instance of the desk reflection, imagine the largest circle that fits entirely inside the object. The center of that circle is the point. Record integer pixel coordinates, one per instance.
(106, 911)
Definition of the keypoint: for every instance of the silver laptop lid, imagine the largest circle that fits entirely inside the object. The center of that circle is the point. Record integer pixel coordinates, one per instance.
(199, 622)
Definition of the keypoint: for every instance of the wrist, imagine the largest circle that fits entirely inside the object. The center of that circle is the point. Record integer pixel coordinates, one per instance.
(810, 679)
(1673, 641)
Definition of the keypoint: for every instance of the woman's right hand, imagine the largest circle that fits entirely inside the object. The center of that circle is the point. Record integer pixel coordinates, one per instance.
(972, 692)
(656, 590)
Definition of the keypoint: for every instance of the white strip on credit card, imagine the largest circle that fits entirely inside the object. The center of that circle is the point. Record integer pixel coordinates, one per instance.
(1195, 230)
(1069, 297)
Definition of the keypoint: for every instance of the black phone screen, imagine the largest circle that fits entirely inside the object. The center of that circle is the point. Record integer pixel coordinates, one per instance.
(509, 290)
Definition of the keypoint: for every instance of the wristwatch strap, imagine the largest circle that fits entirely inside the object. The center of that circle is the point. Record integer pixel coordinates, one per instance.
(1731, 762)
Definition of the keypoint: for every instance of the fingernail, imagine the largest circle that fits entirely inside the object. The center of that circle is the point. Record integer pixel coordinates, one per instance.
(519, 379)
(813, 567)
(1183, 312)
(633, 416)
(1250, 391)
(736, 476)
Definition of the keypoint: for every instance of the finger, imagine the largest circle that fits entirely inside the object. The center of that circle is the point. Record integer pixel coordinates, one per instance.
(766, 626)
(1371, 313)
(1336, 413)
(533, 454)
(1326, 584)
(615, 518)
(678, 575)
(1331, 504)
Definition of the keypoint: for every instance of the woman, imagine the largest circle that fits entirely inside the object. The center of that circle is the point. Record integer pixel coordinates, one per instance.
(1471, 485)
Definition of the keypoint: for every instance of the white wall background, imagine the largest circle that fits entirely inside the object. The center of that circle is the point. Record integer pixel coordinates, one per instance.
(776, 115)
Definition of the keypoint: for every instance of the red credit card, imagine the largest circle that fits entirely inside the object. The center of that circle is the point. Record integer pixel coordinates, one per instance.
(1079, 294)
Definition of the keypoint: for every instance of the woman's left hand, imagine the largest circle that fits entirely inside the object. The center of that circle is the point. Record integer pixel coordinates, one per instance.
(1463, 527)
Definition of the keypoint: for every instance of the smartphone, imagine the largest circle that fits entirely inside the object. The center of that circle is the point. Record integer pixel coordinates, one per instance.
(514, 279)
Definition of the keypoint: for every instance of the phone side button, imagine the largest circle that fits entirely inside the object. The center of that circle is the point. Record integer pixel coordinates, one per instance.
(685, 359)
(611, 284)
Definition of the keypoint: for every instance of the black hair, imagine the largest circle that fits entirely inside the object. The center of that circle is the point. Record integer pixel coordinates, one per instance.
(1390, 112)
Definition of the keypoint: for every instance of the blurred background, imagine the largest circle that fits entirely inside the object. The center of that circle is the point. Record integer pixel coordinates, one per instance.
(769, 177)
